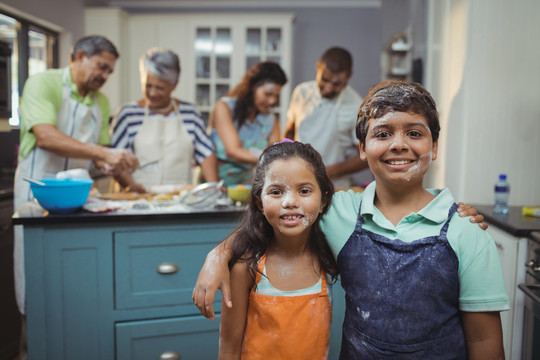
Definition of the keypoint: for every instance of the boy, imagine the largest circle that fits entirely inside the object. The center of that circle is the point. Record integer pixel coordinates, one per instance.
(421, 283)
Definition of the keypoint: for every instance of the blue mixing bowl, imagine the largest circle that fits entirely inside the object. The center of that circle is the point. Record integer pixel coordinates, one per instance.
(62, 196)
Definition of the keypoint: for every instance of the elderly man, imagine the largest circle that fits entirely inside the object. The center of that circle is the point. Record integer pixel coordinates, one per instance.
(323, 113)
(64, 125)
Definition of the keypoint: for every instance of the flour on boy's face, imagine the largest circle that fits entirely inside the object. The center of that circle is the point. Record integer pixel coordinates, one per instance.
(399, 147)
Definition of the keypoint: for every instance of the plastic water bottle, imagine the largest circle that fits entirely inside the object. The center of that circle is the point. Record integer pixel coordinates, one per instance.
(502, 191)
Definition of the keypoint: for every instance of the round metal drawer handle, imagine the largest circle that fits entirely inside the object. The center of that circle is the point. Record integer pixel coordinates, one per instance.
(170, 355)
(167, 268)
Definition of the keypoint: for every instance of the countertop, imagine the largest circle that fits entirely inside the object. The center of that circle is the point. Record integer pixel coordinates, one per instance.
(513, 223)
(33, 214)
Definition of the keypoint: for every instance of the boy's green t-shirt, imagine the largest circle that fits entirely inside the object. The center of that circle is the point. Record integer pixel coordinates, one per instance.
(41, 102)
(480, 274)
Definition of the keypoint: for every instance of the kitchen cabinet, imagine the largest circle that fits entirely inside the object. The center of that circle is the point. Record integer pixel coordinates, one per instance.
(142, 340)
(396, 59)
(512, 252)
(215, 50)
(510, 233)
(119, 287)
(223, 53)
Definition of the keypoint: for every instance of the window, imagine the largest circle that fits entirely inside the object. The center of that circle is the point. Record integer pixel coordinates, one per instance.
(34, 49)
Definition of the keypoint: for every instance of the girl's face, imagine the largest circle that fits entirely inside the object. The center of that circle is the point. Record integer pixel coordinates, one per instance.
(291, 198)
(266, 96)
(399, 148)
(157, 92)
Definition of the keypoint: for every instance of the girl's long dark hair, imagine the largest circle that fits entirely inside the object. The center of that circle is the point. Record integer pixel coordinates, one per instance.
(254, 236)
(258, 75)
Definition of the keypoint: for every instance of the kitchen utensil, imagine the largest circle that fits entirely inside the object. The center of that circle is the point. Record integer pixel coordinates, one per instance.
(239, 193)
(61, 196)
(203, 195)
(124, 196)
(34, 181)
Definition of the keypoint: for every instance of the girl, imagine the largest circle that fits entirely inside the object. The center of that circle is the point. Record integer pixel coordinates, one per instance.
(280, 262)
(242, 123)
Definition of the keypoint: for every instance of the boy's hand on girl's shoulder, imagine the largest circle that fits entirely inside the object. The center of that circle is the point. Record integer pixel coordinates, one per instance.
(465, 210)
(214, 275)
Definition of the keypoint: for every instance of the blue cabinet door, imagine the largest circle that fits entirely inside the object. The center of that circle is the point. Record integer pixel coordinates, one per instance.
(189, 337)
(69, 293)
(159, 268)
(75, 273)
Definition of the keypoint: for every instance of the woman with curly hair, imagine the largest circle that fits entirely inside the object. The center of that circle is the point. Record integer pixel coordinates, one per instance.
(242, 123)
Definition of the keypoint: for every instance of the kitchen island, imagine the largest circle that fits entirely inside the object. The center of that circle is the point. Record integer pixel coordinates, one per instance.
(118, 285)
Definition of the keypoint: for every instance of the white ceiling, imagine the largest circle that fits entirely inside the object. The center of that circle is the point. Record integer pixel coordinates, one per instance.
(146, 4)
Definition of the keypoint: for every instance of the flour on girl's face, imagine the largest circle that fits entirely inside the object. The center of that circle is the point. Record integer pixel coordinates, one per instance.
(288, 201)
(291, 196)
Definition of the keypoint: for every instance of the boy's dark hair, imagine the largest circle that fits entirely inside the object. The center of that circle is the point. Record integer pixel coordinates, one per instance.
(337, 60)
(258, 75)
(93, 45)
(254, 235)
(397, 96)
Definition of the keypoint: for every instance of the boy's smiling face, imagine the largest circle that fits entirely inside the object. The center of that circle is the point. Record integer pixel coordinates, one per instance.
(399, 148)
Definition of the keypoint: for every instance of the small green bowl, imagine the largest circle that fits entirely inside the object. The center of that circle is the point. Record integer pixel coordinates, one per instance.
(239, 193)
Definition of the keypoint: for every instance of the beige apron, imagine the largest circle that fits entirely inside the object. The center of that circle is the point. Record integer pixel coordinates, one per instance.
(80, 122)
(314, 130)
(164, 149)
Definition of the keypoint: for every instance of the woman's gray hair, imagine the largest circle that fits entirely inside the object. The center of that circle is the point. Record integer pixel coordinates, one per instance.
(161, 62)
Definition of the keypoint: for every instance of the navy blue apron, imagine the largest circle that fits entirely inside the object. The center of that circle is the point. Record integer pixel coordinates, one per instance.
(401, 297)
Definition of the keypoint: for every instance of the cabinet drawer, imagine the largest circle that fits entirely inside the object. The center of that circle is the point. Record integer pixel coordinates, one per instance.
(191, 337)
(159, 268)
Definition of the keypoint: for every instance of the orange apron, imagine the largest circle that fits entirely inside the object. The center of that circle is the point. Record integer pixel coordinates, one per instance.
(287, 327)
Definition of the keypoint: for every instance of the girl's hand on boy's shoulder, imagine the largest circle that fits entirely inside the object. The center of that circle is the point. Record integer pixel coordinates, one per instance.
(465, 210)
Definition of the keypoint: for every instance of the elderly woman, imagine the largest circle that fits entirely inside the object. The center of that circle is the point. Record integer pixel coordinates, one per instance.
(243, 124)
(167, 135)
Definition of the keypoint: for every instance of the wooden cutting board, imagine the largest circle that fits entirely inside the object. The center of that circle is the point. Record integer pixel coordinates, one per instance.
(166, 192)
(125, 196)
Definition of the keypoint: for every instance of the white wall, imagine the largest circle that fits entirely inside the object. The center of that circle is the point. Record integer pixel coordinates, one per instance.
(113, 23)
(352, 24)
(483, 72)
